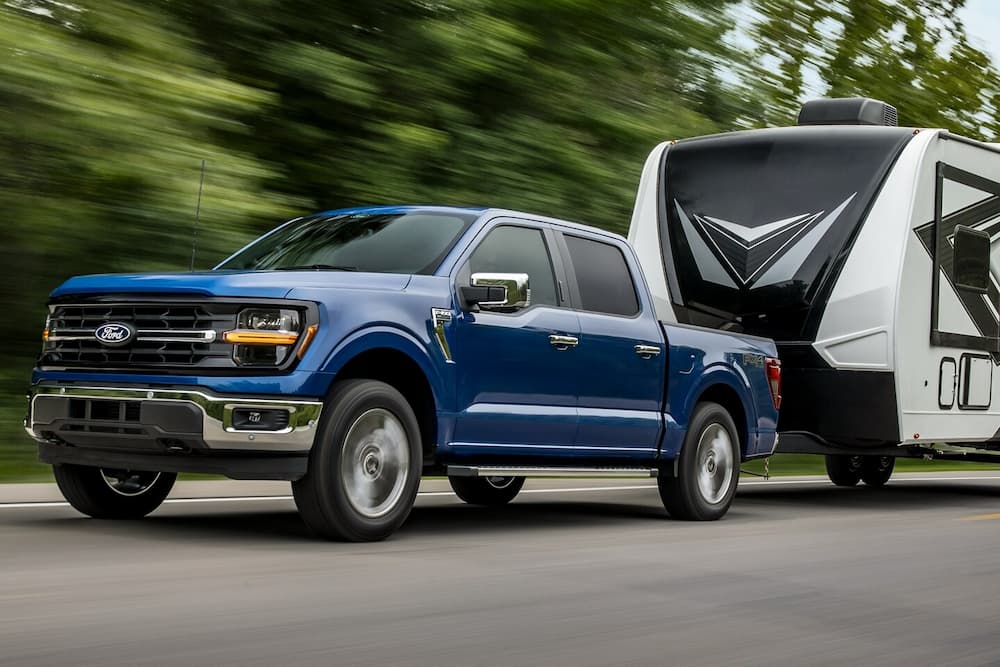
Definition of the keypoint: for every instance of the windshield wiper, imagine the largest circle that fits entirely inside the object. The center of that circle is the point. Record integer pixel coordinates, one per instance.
(314, 267)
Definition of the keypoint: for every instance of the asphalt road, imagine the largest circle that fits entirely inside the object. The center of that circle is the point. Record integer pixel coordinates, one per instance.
(797, 573)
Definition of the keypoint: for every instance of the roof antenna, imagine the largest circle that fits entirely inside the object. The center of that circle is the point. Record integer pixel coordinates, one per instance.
(197, 215)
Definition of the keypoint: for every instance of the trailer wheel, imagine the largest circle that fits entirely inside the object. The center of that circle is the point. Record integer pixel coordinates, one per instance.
(844, 470)
(708, 468)
(490, 491)
(876, 470)
(364, 467)
(105, 493)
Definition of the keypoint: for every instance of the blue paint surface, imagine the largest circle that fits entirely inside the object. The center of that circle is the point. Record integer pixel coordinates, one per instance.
(507, 393)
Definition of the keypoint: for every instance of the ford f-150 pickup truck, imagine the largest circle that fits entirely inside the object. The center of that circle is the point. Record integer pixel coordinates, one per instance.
(353, 351)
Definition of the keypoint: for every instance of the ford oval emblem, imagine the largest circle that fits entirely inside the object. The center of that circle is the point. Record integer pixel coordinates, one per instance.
(114, 334)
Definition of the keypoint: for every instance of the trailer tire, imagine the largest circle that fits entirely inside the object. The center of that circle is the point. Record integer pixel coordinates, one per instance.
(364, 467)
(876, 470)
(110, 493)
(488, 491)
(707, 470)
(844, 470)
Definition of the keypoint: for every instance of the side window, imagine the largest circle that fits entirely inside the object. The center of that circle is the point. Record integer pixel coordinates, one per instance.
(510, 249)
(602, 276)
(972, 259)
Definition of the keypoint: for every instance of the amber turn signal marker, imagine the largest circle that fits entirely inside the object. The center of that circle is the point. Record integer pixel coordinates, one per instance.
(247, 337)
(307, 339)
(45, 335)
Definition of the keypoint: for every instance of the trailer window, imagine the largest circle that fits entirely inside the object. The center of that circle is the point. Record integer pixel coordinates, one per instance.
(972, 259)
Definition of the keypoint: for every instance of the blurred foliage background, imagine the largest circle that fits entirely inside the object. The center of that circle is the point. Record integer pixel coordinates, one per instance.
(108, 107)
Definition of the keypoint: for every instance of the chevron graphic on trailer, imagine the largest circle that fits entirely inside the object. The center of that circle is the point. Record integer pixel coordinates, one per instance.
(755, 256)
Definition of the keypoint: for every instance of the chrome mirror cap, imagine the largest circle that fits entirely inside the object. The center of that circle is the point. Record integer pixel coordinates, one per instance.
(517, 295)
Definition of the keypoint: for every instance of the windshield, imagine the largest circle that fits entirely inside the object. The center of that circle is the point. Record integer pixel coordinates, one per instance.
(376, 242)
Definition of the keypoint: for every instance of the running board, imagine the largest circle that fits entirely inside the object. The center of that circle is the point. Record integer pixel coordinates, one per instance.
(527, 471)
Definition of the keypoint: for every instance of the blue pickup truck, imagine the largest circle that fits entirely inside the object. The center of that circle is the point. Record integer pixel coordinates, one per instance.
(353, 351)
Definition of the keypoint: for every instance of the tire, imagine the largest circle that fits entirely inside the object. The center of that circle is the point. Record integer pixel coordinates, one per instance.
(104, 493)
(876, 470)
(364, 467)
(708, 468)
(489, 491)
(844, 470)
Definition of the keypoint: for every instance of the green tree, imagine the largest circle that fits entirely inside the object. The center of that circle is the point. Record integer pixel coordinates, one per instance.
(547, 105)
(106, 110)
(914, 54)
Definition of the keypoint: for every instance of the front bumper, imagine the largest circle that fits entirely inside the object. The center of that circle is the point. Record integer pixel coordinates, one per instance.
(156, 420)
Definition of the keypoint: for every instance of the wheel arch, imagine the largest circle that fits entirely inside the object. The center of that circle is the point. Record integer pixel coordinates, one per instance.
(400, 362)
(724, 388)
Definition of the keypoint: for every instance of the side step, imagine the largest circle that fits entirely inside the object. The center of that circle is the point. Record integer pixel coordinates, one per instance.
(527, 471)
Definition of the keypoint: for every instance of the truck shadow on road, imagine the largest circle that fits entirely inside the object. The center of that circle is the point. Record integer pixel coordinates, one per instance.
(448, 517)
(899, 497)
(284, 526)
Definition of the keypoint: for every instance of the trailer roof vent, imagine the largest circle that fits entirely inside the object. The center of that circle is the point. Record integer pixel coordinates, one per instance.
(848, 111)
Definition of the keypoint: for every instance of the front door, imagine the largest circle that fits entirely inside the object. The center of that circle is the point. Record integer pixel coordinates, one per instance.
(516, 374)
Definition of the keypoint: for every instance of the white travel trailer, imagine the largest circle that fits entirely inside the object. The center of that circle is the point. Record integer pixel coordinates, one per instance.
(870, 252)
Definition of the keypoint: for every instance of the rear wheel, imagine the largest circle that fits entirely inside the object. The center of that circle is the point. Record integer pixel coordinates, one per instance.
(708, 469)
(876, 470)
(844, 470)
(486, 490)
(364, 468)
(109, 493)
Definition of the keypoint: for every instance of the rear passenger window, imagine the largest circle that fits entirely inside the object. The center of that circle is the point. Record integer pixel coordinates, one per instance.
(602, 277)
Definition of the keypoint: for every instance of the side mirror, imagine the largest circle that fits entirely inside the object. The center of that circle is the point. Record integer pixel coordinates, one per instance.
(496, 291)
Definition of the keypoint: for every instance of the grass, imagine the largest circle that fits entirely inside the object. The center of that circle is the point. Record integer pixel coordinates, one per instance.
(19, 463)
(810, 464)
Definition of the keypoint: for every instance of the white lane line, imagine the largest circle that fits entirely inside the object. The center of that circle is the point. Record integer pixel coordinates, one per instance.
(579, 489)
(17, 506)
(237, 499)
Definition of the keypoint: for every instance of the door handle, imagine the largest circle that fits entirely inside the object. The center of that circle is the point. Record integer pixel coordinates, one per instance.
(647, 351)
(563, 342)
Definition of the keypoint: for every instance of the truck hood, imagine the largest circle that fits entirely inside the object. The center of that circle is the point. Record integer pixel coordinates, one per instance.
(267, 284)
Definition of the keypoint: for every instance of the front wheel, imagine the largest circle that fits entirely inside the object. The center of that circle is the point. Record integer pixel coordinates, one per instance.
(107, 493)
(844, 470)
(364, 468)
(490, 491)
(708, 469)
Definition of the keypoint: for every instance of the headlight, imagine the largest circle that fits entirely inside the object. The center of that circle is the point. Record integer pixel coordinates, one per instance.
(260, 319)
(264, 336)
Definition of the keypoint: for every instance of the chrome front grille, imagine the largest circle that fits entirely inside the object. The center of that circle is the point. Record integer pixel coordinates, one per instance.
(166, 335)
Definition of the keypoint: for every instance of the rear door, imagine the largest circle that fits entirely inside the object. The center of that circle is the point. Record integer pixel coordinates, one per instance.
(516, 384)
(620, 357)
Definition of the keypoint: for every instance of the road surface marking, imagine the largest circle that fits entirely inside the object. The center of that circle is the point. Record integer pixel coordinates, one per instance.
(579, 489)
(981, 517)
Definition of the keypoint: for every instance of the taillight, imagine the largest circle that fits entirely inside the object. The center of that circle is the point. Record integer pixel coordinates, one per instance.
(773, 367)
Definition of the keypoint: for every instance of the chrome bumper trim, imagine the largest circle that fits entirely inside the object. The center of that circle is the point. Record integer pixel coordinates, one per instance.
(217, 421)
